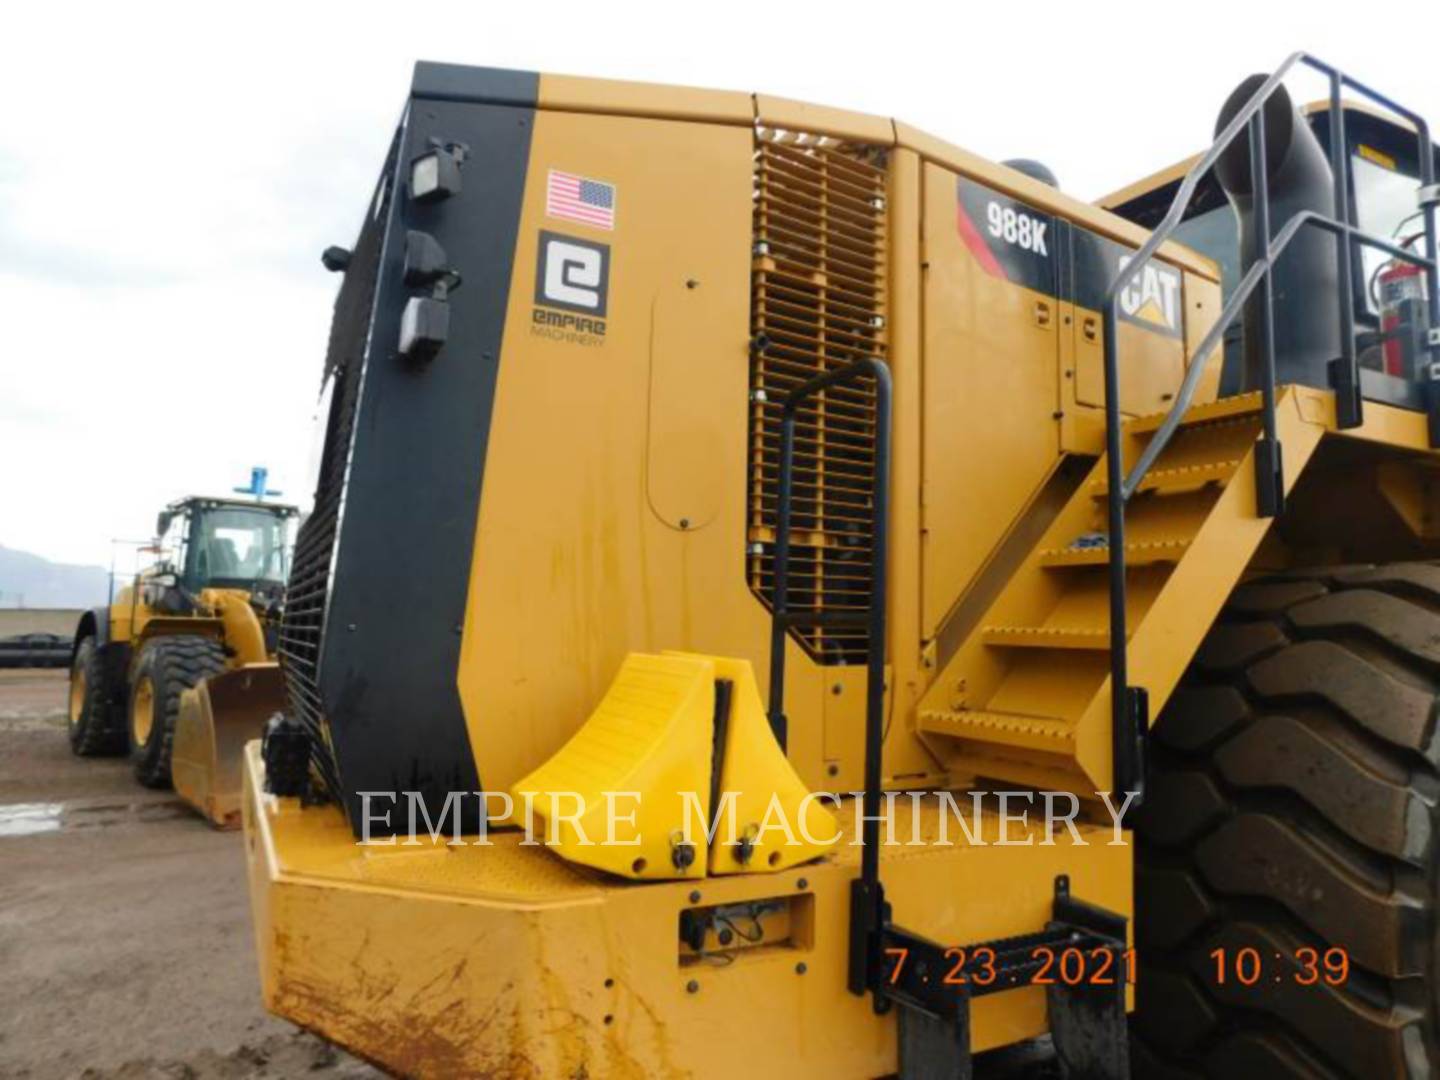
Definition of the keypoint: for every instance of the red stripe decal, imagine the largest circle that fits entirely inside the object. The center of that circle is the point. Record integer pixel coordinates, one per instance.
(976, 243)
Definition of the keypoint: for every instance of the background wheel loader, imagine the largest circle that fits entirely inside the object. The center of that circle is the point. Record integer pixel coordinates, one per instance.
(644, 399)
(178, 670)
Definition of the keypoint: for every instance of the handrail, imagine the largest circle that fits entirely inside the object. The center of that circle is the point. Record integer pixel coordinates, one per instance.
(867, 897)
(1186, 192)
(1174, 217)
(1239, 295)
(782, 618)
(1128, 705)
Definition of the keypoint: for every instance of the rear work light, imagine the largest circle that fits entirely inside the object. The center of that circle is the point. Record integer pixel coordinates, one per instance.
(424, 327)
(435, 174)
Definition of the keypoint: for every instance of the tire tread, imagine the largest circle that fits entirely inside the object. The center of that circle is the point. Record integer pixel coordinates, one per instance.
(1301, 811)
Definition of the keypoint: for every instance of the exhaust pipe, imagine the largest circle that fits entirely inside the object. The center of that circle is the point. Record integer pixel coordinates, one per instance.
(1305, 279)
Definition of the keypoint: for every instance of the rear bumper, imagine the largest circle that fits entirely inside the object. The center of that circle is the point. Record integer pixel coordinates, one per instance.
(504, 961)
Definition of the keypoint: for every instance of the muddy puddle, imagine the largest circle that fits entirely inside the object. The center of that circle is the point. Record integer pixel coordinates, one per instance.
(36, 818)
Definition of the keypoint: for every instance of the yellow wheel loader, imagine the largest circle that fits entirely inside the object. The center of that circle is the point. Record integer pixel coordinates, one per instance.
(179, 668)
(769, 565)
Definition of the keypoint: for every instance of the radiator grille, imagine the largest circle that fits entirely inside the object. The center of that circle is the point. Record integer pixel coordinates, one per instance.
(307, 593)
(817, 303)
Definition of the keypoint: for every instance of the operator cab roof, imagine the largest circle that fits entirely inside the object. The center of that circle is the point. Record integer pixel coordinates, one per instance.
(214, 501)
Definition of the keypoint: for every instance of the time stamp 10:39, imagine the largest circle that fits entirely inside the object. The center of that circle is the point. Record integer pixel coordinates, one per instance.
(1245, 966)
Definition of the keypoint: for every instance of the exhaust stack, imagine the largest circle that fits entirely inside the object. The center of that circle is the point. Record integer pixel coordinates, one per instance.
(1305, 279)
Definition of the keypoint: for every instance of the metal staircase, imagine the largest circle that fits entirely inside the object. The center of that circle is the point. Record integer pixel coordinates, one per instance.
(1095, 629)
(1036, 674)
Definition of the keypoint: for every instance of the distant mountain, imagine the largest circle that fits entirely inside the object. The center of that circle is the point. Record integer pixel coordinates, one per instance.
(31, 581)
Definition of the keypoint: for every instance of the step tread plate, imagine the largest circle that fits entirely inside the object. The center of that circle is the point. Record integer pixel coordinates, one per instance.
(1048, 637)
(1177, 478)
(1226, 407)
(1139, 553)
(1010, 729)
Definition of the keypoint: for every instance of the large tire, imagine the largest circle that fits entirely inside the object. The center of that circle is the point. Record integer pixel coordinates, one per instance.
(165, 668)
(94, 723)
(1293, 804)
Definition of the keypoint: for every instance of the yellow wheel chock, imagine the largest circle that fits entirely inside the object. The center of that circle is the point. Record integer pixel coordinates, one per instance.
(676, 774)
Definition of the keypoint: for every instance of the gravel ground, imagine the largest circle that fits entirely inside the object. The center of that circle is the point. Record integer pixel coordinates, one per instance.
(124, 922)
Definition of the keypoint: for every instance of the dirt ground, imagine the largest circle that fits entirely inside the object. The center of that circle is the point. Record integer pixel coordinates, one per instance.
(125, 942)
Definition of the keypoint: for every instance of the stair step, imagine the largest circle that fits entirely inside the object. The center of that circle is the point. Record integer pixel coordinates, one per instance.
(1178, 479)
(1047, 637)
(1239, 405)
(1009, 729)
(1141, 553)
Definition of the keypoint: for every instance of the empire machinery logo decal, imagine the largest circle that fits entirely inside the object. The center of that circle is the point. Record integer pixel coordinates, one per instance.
(572, 289)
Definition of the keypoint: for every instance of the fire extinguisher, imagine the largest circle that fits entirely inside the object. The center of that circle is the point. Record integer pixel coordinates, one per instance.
(1402, 299)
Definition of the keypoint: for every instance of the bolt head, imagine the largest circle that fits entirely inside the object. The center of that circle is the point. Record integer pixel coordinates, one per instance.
(683, 856)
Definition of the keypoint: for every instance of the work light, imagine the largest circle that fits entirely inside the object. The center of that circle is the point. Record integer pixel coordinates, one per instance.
(434, 175)
(424, 326)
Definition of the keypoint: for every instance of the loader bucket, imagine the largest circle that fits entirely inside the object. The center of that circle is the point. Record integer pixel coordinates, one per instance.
(217, 718)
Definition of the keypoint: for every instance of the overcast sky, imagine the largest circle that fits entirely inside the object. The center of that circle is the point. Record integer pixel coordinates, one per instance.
(170, 174)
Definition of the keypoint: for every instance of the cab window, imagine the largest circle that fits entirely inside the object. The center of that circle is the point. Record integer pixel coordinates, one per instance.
(233, 544)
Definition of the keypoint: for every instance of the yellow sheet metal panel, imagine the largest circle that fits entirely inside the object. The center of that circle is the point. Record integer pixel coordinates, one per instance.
(1154, 316)
(908, 675)
(990, 377)
(1399, 429)
(567, 571)
(579, 554)
(1153, 367)
(571, 93)
(685, 461)
(1203, 302)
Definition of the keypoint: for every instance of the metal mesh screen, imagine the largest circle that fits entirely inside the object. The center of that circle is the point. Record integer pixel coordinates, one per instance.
(817, 303)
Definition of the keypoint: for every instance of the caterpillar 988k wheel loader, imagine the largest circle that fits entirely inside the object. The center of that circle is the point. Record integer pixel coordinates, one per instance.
(643, 399)
(179, 668)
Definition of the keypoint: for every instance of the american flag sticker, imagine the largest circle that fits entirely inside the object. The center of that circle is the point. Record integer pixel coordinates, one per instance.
(578, 198)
